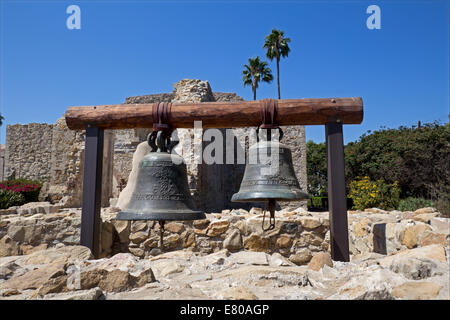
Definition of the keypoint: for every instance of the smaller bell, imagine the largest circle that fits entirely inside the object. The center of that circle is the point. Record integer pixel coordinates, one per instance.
(264, 182)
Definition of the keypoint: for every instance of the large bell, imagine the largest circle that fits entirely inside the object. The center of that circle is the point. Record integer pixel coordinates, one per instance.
(161, 191)
(262, 181)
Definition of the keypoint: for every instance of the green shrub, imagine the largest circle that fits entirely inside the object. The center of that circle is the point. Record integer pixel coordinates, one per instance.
(28, 188)
(374, 194)
(412, 204)
(10, 198)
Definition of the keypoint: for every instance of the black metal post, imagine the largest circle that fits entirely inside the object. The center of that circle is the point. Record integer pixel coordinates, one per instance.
(337, 200)
(92, 190)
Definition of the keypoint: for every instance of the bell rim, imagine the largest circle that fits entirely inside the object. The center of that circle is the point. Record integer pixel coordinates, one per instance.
(262, 196)
(161, 215)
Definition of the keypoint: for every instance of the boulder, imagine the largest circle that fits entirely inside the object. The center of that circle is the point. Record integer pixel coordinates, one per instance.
(233, 241)
(249, 257)
(301, 257)
(319, 260)
(8, 247)
(416, 290)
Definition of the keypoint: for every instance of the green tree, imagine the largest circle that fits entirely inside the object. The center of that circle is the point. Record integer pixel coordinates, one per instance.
(1, 120)
(254, 72)
(316, 167)
(277, 46)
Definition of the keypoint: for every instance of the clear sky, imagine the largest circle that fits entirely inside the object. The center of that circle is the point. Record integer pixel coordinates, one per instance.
(128, 48)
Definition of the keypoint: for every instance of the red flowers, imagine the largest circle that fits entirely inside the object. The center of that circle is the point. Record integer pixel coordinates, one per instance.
(18, 186)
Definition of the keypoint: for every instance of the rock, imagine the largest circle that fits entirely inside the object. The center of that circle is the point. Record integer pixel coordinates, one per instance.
(216, 228)
(425, 210)
(16, 232)
(416, 290)
(174, 227)
(424, 217)
(138, 252)
(255, 210)
(310, 222)
(172, 241)
(255, 242)
(319, 260)
(35, 278)
(430, 237)
(362, 227)
(27, 249)
(91, 294)
(138, 237)
(249, 257)
(61, 255)
(283, 241)
(233, 241)
(301, 257)
(53, 285)
(169, 267)
(201, 224)
(432, 252)
(117, 281)
(440, 225)
(238, 293)
(416, 269)
(188, 239)
(123, 228)
(138, 226)
(10, 292)
(375, 210)
(106, 236)
(411, 235)
(8, 247)
(277, 260)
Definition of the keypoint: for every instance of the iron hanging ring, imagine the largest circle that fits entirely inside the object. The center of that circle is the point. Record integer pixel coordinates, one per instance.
(151, 140)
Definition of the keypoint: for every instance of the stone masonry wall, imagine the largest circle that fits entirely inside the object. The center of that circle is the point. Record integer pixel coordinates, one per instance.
(54, 154)
(28, 151)
(298, 234)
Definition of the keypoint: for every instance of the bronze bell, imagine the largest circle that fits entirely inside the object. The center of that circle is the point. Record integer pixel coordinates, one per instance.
(161, 191)
(263, 182)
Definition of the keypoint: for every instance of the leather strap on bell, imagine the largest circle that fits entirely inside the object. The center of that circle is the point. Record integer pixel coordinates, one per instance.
(268, 109)
(161, 117)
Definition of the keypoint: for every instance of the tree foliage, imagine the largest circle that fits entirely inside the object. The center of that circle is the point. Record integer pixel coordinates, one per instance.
(417, 158)
(254, 72)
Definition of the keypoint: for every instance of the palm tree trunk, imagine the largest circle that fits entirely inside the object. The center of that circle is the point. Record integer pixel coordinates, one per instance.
(278, 77)
(254, 94)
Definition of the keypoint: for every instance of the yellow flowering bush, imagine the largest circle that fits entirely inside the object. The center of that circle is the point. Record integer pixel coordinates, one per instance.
(374, 194)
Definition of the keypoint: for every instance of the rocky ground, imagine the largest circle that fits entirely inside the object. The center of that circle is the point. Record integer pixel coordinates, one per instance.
(394, 255)
(69, 272)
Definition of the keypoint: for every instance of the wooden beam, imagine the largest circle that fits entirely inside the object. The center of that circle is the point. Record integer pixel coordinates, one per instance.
(92, 190)
(337, 199)
(217, 114)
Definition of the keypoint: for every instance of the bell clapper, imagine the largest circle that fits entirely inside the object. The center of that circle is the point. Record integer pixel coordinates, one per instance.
(161, 233)
(272, 206)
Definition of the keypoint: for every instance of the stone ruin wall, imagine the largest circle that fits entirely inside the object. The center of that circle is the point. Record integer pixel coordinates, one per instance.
(56, 154)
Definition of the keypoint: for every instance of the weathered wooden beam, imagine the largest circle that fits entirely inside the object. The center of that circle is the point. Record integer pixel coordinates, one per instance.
(92, 190)
(217, 114)
(337, 199)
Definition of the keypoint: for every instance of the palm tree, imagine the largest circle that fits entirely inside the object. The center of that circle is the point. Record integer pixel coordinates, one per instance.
(277, 47)
(254, 72)
(1, 120)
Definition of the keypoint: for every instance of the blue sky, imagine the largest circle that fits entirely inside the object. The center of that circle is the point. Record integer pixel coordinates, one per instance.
(127, 48)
